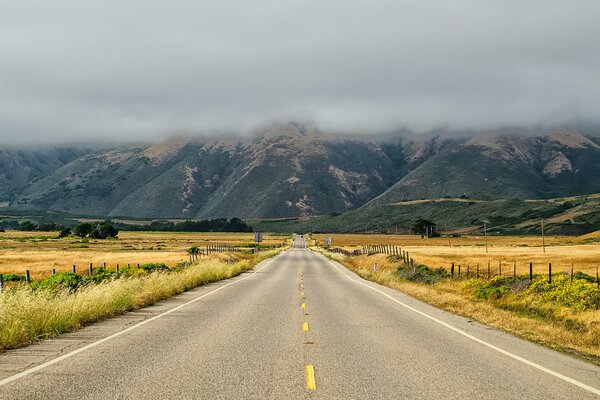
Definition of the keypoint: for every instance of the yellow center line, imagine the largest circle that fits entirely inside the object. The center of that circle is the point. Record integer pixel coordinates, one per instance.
(302, 293)
(311, 383)
(303, 305)
(305, 326)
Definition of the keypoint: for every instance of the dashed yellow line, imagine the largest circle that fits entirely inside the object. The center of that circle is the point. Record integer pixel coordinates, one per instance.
(311, 383)
(302, 293)
(303, 305)
(305, 326)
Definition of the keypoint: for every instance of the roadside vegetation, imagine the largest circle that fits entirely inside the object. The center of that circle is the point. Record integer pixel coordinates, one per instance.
(563, 314)
(65, 302)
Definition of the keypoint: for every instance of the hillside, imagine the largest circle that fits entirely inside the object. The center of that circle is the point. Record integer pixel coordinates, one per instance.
(568, 216)
(290, 170)
(285, 170)
(556, 164)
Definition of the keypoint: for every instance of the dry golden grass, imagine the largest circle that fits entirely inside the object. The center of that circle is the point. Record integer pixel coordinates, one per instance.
(568, 330)
(40, 252)
(28, 315)
(561, 251)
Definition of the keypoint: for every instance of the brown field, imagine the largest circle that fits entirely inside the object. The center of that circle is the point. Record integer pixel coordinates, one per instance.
(561, 251)
(41, 251)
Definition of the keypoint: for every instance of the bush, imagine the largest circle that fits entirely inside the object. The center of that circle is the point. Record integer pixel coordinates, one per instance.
(422, 274)
(101, 274)
(580, 294)
(154, 267)
(13, 278)
(63, 280)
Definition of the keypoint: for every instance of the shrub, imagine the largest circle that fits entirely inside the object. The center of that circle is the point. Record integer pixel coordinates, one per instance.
(580, 294)
(13, 278)
(154, 267)
(63, 280)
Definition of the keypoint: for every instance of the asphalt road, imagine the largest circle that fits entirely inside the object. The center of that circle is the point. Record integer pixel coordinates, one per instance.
(299, 326)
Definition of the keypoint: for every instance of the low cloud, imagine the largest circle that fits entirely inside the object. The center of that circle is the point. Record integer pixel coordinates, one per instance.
(124, 70)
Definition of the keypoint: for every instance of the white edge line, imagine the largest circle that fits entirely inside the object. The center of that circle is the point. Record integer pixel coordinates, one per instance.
(480, 341)
(114, 335)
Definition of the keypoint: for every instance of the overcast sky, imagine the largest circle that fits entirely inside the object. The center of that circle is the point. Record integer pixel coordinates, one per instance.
(94, 70)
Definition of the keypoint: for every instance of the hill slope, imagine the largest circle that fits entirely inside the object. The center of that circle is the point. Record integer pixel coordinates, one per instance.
(506, 166)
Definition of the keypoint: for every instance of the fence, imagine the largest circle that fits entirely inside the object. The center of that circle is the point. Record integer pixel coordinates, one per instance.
(455, 269)
(194, 253)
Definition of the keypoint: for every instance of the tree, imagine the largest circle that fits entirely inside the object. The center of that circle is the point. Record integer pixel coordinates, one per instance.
(96, 230)
(425, 227)
(64, 232)
(193, 252)
(27, 226)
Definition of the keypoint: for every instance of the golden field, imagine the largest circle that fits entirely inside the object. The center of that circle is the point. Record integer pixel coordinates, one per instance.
(40, 252)
(561, 251)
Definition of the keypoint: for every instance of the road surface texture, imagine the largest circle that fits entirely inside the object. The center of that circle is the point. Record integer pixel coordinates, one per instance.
(298, 326)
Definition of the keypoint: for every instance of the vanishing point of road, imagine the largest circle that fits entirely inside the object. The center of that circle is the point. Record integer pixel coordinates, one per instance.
(297, 326)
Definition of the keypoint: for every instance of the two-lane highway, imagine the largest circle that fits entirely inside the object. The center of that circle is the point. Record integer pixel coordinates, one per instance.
(299, 326)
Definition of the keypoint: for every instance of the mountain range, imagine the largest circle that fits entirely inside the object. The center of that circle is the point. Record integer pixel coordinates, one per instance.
(291, 170)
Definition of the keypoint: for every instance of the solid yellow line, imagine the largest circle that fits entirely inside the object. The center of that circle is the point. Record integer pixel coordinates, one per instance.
(311, 383)
(305, 326)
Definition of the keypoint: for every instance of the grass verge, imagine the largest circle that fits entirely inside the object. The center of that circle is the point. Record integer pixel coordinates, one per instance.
(28, 314)
(528, 311)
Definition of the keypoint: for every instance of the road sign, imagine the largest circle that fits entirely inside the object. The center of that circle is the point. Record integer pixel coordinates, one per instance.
(328, 241)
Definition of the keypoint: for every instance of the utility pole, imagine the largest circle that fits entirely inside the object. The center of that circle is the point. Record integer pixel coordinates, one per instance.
(485, 233)
(543, 238)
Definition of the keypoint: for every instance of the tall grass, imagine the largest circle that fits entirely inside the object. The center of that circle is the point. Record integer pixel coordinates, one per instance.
(27, 315)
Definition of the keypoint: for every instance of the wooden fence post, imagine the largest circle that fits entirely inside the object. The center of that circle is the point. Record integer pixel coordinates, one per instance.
(74, 269)
(515, 270)
(452, 270)
(500, 267)
(571, 273)
(459, 270)
(117, 268)
(530, 271)
(27, 277)
(549, 272)
(1, 282)
(91, 271)
(597, 280)
(477, 270)
(53, 271)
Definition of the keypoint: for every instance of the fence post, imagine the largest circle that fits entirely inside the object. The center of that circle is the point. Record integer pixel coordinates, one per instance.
(597, 280)
(117, 268)
(27, 277)
(571, 273)
(530, 271)
(515, 270)
(91, 271)
(53, 271)
(459, 270)
(74, 269)
(452, 270)
(1, 282)
(477, 270)
(549, 272)
(500, 267)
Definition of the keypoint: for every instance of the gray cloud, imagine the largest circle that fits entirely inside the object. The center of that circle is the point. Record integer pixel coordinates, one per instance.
(73, 70)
